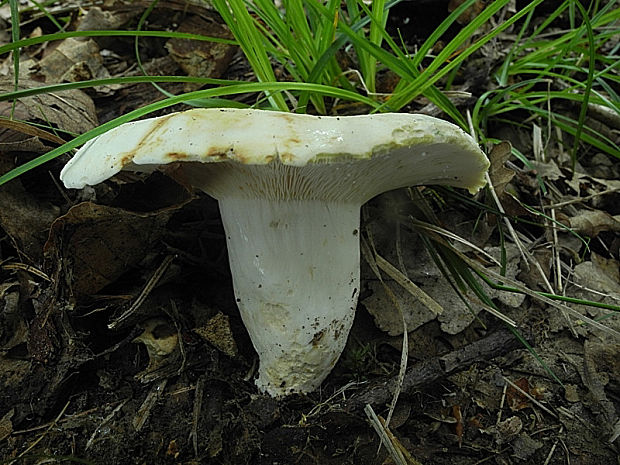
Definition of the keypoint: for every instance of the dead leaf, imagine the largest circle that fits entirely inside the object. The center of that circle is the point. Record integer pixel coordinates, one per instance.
(200, 58)
(72, 60)
(599, 274)
(513, 260)
(27, 129)
(499, 174)
(523, 447)
(547, 170)
(505, 431)
(516, 398)
(601, 362)
(6, 426)
(470, 13)
(585, 185)
(102, 242)
(96, 19)
(386, 317)
(571, 393)
(25, 218)
(161, 340)
(70, 110)
(591, 222)
(218, 333)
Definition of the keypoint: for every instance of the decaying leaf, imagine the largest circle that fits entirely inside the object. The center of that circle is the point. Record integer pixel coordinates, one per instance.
(102, 242)
(200, 58)
(70, 110)
(499, 174)
(454, 317)
(596, 188)
(513, 260)
(470, 13)
(591, 222)
(72, 61)
(218, 333)
(547, 170)
(6, 426)
(601, 364)
(524, 446)
(387, 318)
(24, 218)
(507, 430)
(601, 275)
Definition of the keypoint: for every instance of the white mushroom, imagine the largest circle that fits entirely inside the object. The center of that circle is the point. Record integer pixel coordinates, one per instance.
(290, 188)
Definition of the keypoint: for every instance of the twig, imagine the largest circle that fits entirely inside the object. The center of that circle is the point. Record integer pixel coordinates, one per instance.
(193, 435)
(145, 409)
(548, 459)
(52, 424)
(100, 425)
(532, 399)
(580, 199)
(501, 405)
(430, 370)
(150, 285)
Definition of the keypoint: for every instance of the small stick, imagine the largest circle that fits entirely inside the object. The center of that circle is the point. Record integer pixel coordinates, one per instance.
(193, 435)
(430, 370)
(521, 391)
(150, 285)
(148, 404)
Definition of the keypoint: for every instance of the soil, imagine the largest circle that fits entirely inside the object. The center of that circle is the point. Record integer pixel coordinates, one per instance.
(120, 340)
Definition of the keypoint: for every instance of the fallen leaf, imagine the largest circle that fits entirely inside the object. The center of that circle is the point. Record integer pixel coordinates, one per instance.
(499, 174)
(25, 218)
(591, 222)
(217, 332)
(523, 447)
(599, 274)
(516, 399)
(69, 110)
(101, 243)
(72, 60)
(547, 170)
(6, 426)
(200, 58)
(470, 13)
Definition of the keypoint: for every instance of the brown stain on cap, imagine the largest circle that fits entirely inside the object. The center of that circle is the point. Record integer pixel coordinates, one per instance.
(177, 156)
(218, 154)
(157, 124)
(127, 158)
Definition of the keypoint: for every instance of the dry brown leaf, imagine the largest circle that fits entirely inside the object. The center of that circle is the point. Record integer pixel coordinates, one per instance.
(470, 13)
(592, 222)
(102, 242)
(70, 110)
(547, 170)
(24, 218)
(200, 58)
(218, 333)
(6, 426)
(499, 174)
(72, 61)
(599, 274)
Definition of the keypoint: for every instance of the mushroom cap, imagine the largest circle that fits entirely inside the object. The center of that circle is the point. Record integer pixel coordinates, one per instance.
(422, 149)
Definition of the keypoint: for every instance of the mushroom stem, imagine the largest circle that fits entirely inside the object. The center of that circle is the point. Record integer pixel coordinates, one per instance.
(295, 267)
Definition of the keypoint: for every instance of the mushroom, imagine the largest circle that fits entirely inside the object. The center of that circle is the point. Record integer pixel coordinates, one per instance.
(290, 188)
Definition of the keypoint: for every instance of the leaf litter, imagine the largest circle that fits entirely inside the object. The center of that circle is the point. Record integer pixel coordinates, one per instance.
(71, 263)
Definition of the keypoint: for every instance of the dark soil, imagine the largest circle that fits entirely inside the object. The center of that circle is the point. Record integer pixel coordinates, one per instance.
(79, 380)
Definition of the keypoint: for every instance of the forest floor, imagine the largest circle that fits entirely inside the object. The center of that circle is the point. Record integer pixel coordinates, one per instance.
(94, 282)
